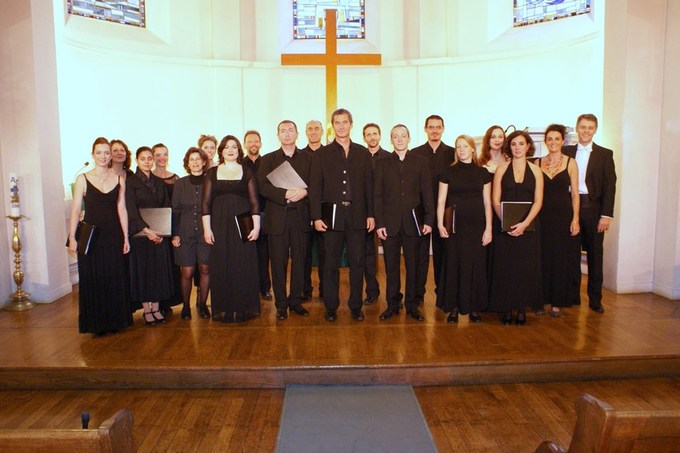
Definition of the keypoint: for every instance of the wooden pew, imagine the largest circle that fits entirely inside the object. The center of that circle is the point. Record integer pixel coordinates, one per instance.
(601, 428)
(113, 436)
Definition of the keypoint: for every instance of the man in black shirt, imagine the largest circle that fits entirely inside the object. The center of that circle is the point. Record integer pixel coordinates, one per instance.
(314, 131)
(287, 220)
(372, 139)
(341, 199)
(440, 156)
(252, 143)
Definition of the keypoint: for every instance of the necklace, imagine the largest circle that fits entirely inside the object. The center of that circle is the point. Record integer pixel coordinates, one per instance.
(103, 180)
(552, 167)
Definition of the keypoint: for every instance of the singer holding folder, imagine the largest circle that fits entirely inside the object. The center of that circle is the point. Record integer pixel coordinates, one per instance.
(516, 282)
(404, 215)
(283, 176)
(103, 301)
(230, 190)
(342, 178)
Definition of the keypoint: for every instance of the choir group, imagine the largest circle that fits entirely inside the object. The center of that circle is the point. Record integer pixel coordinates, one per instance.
(505, 230)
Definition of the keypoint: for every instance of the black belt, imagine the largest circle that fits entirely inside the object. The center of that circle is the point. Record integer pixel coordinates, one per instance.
(346, 203)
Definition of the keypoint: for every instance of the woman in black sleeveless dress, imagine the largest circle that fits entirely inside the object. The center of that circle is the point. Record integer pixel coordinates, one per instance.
(560, 244)
(516, 273)
(230, 189)
(103, 302)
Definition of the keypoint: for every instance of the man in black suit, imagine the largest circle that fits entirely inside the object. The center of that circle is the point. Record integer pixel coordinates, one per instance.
(287, 220)
(252, 143)
(341, 199)
(371, 133)
(597, 187)
(404, 213)
(440, 156)
(314, 132)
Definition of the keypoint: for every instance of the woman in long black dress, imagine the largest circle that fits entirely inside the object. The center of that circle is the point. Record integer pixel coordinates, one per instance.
(560, 244)
(230, 189)
(517, 253)
(191, 250)
(466, 187)
(103, 302)
(150, 260)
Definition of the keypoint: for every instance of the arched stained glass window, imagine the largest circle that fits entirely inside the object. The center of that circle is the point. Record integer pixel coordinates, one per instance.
(128, 12)
(309, 17)
(528, 12)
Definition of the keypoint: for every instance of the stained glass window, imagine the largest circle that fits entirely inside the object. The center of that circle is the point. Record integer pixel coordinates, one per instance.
(128, 12)
(309, 17)
(528, 12)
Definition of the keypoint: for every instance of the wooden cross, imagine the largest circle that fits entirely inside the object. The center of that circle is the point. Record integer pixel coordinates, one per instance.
(331, 60)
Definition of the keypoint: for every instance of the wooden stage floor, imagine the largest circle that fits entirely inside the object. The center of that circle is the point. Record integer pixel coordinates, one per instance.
(637, 336)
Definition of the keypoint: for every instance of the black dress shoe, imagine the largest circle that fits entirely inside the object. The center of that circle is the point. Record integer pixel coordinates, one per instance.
(266, 295)
(331, 315)
(415, 314)
(299, 310)
(596, 307)
(521, 319)
(357, 314)
(186, 312)
(387, 314)
(475, 317)
(507, 318)
(203, 311)
(369, 300)
(453, 317)
(281, 314)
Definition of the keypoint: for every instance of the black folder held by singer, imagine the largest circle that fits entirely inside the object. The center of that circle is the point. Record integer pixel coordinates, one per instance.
(418, 214)
(85, 237)
(514, 212)
(333, 216)
(244, 225)
(158, 219)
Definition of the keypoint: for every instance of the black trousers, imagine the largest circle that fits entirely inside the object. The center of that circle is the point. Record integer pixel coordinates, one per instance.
(372, 287)
(438, 251)
(291, 243)
(314, 237)
(263, 263)
(592, 243)
(392, 247)
(356, 251)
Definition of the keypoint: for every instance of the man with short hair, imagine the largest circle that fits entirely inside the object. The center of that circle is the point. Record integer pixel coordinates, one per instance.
(287, 220)
(404, 213)
(252, 142)
(341, 199)
(597, 188)
(440, 156)
(314, 132)
(371, 134)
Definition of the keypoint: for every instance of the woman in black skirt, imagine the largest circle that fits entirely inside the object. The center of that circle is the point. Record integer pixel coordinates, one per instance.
(191, 249)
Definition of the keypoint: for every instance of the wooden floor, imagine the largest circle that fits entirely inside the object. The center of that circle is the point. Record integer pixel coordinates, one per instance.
(474, 418)
(200, 385)
(636, 337)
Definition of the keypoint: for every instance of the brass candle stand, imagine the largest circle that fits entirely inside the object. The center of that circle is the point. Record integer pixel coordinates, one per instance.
(19, 298)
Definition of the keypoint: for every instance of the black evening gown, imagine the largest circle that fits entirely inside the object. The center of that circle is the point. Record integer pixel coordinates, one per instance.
(561, 252)
(103, 301)
(151, 272)
(464, 272)
(517, 280)
(234, 286)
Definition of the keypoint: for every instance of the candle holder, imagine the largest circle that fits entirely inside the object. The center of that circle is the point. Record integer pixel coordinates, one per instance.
(19, 298)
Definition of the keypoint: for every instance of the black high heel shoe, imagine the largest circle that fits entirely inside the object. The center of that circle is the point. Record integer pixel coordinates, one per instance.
(153, 321)
(186, 313)
(507, 318)
(453, 317)
(159, 319)
(203, 311)
(521, 319)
